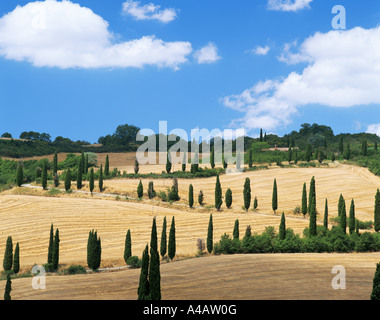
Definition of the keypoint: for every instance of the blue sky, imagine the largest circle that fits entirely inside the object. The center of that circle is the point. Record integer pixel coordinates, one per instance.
(199, 68)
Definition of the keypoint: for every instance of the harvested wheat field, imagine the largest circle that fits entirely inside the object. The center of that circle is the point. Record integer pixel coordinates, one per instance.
(237, 277)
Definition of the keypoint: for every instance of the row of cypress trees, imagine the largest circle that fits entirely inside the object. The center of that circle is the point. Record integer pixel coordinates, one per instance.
(53, 249)
(11, 260)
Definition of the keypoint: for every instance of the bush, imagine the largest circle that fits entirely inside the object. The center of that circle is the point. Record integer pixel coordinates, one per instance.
(49, 267)
(75, 269)
(134, 262)
(366, 243)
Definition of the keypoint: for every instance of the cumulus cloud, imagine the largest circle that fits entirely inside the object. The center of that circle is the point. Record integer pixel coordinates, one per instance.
(66, 35)
(289, 5)
(207, 54)
(261, 51)
(374, 128)
(148, 11)
(342, 70)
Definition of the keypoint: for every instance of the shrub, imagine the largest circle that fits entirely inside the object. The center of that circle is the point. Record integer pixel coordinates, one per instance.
(134, 262)
(75, 269)
(366, 243)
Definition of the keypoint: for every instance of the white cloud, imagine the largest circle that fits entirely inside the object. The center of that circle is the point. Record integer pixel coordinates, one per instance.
(289, 5)
(374, 128)
(66, 35)
(207, 54)
(343, 70)
(148, 11)
(261, 51)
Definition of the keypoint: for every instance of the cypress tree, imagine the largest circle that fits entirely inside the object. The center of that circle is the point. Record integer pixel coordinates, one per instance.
(56, 180)
(313, 220)
(255, 203)
(247, 194)
(184, 161)
(218, 194)
(365, 148)
(136, 168)
(91, 181)
(107, 167)
(168, 163)
(228, 198)
(309, 153)
(282, 229)
(8, 288)
(261, 135)
(128, 246)
(212, 158)
(16, 260)
(340, 204)
(101, 178)
(351, 218)
(265, 137)
(8, 255)
(143, 289)
(51, 245)
(140, 190)
(154, 266)
(296, 156)
(210, 235)
(343, 217)
(274, 197)
(172, 241)
(377, 211)
(236, 230)
(375, 294)
(357, 227)
(164, 244)
(44, 176)
(191, 196)
(225, 164)
(94, 250)
(250, 159)
(19, 175)
(312, 195)
(341, 147)
(151, 192)
(86, 165)
(200, 198)
(80, 174)
(347, 154)
(248, 232)
(68, 180)
(55, 163)
(304, 200)
(55, 255)
(290, 155)
(326, 216)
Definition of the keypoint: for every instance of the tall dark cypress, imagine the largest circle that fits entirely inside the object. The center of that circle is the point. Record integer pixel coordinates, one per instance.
(282, 229)
(143, 289)
(80, 173)
(247, 194)
(8, 255)
(101, 178)
(304, 200)
(290, 155)
(136, 168)
(351, 218)
(326, 216)
(55, 256)
(377, 211)
(274, 197)
(191, 196)
(51, 244)
(107, 167)
(261, 135)
(91, 182)
(312, 195)
(313, 220)
(210, 235)
(55, 163)
(94, 250)
(140, 190)
(212, 158)
(164, 242)
(44, 176)
(128, 246)
(154, 266)
(235, 233)
(340, 204)
(250, 159)
(172, 241)
(228, 198)
(68, 180)
(20, 175)
(343, 217)
(375, 294)
(16, 259)
(218, 194)
(86, 164)
(8, 288)
(168, 163)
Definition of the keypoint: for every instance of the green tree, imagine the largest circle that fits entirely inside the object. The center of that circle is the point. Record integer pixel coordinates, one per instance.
(91, 181)
(86, 164)
(172, 241)
(143, 289)
(140, 190)
(16, 259)
(377, 211)
(44, 176)
(136, 168)
(168, 163)
(304, 200)
(326, 216)
(20, 175)
(341, 146)
(212, 158)
(56, 180)
(191, 196)
(80, 173)
(274, 197)
(235, 233)
(347, 154)
(340, 204)
(248, 232)
(128, 246)
(218, 194)
(8, 255)
(154, 266)
(55, 255)
(313, 220)
(255, 203)
(210, 235)
(282, 229)
(200, 198)
(151, 192)
(343, 217)
(164, 244)
(51, 245)
(228, 198)
(68, 180)
(107, 167)
(101, 186)
(55, 163)
(351, 218)
(94, 250)
(375, 294)
(309, 152)
(312, 195)
(8, 288)
(184, 161)
(247, 194)
(250, 159)
(261, 135)
(290, 155)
